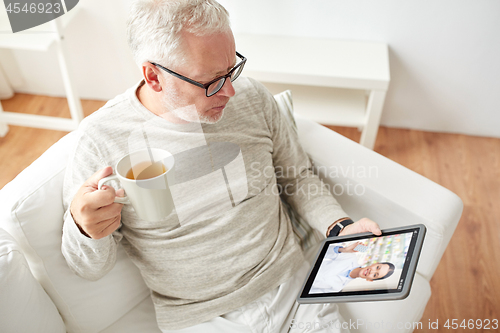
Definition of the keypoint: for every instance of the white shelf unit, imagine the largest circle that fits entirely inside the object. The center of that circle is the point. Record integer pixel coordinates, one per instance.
(41, 38)
(333, 82)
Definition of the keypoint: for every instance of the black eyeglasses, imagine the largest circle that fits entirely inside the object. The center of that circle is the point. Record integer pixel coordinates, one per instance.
(212, 87)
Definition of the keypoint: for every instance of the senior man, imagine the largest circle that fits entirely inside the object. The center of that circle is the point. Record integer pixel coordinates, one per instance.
(240, 269)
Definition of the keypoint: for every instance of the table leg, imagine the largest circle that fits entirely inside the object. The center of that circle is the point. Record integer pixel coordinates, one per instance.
(75, 105)
(4, 128)
(373, 113)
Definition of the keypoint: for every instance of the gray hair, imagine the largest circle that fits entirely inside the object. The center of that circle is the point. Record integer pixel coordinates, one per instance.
(154, 27)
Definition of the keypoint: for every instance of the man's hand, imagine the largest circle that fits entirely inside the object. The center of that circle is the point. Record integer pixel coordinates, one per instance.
(93, 210)
(363, 225)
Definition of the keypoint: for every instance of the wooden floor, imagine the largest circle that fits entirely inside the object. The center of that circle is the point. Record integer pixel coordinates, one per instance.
(466, 284)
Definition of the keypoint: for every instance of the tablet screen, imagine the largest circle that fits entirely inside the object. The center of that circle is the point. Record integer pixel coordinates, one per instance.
(362, 265)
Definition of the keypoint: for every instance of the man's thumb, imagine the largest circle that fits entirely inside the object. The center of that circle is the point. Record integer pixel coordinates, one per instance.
(96, 177)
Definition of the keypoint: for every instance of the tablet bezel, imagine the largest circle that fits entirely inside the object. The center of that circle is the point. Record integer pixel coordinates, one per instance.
(367, 295)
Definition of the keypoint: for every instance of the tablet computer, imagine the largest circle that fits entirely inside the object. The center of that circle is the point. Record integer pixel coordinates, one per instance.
(364, 267)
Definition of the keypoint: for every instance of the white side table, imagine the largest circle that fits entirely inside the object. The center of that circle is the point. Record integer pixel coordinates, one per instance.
(41, 38)
(334, 82)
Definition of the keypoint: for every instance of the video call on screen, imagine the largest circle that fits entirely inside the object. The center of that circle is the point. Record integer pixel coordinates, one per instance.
(333, 275)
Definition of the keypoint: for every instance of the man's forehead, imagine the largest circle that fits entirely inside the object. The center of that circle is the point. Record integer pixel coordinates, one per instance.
(212, 55)
(211, 69)
(225, 71)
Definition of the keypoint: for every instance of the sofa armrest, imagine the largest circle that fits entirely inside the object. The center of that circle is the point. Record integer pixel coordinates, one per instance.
(32, 212)
(368, 184)
(24, 304)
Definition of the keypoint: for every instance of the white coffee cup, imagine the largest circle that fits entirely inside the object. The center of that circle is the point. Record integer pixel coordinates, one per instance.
(151, 198)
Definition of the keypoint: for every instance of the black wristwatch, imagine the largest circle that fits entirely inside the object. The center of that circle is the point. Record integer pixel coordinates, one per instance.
(339, 226)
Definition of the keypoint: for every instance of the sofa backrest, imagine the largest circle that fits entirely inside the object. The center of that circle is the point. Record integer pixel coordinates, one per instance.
(32, 212)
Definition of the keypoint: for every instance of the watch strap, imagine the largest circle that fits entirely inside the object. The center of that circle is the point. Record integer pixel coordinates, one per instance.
(339, 226)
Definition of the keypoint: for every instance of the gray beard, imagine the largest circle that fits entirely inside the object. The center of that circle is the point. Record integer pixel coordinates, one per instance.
(188, 113)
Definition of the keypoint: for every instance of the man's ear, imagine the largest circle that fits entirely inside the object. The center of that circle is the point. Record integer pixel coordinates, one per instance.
(151, 76)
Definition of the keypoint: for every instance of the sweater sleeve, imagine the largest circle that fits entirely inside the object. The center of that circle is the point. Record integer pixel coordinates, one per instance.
(298, 184)
(89, 258)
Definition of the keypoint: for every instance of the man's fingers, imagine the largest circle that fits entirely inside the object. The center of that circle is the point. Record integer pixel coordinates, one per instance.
(112, 210)
(95, 221)
(91, 207)
(110, 226)
(100, 198)
(108, 212)
(374, 229)
(363, 225)
(104, 228)
(371, 226)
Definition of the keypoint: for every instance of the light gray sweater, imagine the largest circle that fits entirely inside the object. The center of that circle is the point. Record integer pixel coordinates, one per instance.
(201, 267)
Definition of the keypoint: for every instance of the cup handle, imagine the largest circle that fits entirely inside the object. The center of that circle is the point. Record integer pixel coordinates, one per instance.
(122, 200)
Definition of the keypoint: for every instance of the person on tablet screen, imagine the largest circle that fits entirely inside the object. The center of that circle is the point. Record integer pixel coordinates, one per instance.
(340, 266)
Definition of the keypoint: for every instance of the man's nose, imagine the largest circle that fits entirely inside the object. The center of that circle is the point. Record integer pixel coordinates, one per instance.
(227, 89)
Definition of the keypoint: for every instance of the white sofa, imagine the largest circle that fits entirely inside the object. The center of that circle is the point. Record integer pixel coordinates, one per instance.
(39, 293)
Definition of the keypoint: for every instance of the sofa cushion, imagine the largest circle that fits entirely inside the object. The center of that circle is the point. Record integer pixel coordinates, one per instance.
(32, 212)
(141, 319)
(24, 305)
(285, 105)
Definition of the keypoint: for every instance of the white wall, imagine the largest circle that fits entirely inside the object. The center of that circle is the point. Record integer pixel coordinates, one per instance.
(444, 54)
